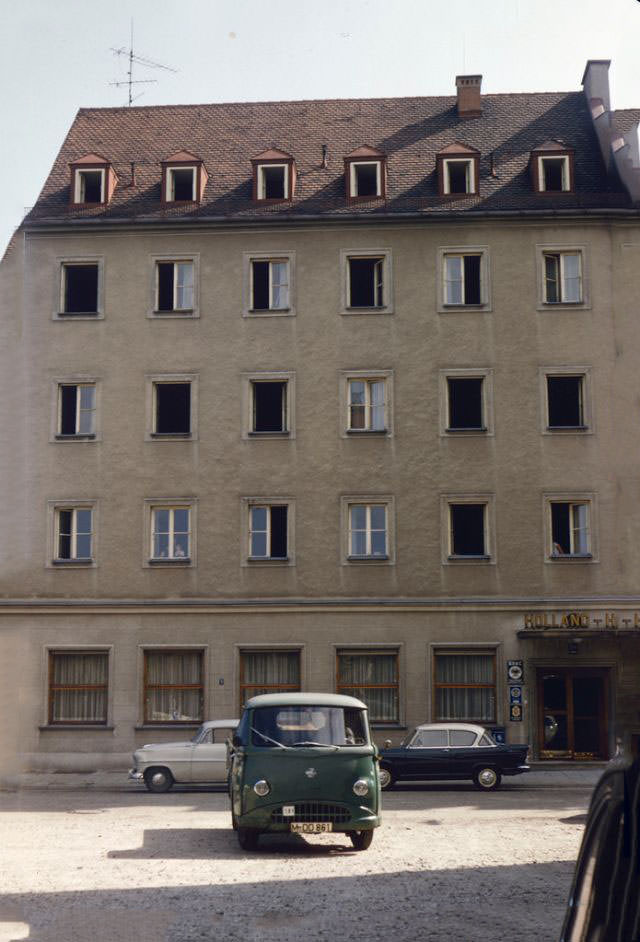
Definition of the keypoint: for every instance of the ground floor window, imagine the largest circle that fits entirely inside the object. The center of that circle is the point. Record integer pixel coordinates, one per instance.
(268, 672)
(465, 686)
(173, 686)
(371, 676)
(78, 682)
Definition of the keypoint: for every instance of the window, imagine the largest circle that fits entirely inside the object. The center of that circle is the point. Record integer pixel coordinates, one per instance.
(268, 531)
(464, 686)
(171, 534)
(366, 178)
(554, 174)
(173, 686)
(73, 534)
(430, 739)
(269, 406)
(268, 672)
(467, 530)
(76, 410)
(367, 405)
(273, 182)
(562, 277)
(175, 288)
(172, 409)
(373, 677)
(462, 279)
(459, 176)
(465, 403)
(570, 529)
(181, 184)
(79, 294)
(368, 531)
(366, 282)
(89, 186)
(78, 687)
(566, 406)
(269, 284)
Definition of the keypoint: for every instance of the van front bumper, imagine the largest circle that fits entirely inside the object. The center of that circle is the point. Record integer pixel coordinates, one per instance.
(263, 818)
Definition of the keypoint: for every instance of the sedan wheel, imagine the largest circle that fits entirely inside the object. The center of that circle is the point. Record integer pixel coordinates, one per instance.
(158, 780)
(386, 778)
(487, 779)
(361, 839)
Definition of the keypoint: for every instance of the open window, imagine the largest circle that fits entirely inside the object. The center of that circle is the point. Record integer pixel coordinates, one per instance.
(458, 168)
(73, 534)
(76, 414)
(566, 402)
(570, 529)
(463, 279)
(562, 277)
(175, 286)
(268, 531)
(273, 176)
(552, 168)
(465, 403)
(269, 284)
(468, 527)
(80, 288)
(365, 174)
(269, 406)
(93, 181)
(172, 409)
(184, 178)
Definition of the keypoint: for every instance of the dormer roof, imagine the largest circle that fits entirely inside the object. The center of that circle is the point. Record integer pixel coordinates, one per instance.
(91, 160)
(272, 154)
(457, 148)
(182, 157)
(550, 146)
(366, 152)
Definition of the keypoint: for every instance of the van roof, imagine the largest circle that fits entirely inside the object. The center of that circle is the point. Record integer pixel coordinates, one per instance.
(304, 699)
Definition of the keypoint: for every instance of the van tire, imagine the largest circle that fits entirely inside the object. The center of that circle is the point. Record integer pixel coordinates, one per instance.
(158, 779)
(361, 839)
(248, 838)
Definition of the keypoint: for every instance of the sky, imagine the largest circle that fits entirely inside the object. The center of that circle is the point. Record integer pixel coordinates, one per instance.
(56, 56)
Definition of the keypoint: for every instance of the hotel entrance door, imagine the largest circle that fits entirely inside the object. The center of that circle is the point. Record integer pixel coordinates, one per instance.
(572, 721)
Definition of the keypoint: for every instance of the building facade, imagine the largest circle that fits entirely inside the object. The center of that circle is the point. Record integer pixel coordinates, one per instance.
(333, 396)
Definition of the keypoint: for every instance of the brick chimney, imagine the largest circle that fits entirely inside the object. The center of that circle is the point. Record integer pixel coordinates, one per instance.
(469, 103)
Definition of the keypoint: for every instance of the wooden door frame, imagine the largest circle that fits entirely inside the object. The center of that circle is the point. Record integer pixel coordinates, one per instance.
(570, 671)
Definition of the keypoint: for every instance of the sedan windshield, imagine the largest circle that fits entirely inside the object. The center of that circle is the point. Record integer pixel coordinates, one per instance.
(290, 726)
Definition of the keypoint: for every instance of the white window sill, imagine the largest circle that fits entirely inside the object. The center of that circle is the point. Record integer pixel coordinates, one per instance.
(168, 436)
(468, 430)
(268, 559)
(175, 312)
(80, 316)
(567, 428)
(375, 432)
(83, 437)
(373, 309)
(178, 561)
(368, 559)
(88, 561)
(275, 434)
(482, 557)
(53, 727)
(570, 557)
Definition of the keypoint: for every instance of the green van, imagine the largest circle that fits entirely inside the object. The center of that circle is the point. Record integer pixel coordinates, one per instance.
(304, 762)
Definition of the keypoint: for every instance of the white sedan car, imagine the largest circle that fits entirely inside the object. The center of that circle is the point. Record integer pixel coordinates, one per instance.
(198, 761)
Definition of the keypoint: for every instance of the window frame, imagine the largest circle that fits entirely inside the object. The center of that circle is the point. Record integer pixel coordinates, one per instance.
(353, 178)
(488, 558)
(542, 250)
(568, 171)
(202, 686)
(55, 435)
(447, 251)
(169, 182)
(281, 376)
(253, 562)
(260, 182)
(384, 256)
(152, 504)
(67, 261)
(242, 649)
(54, 560)
(579, 372)
(176, 313)
(50, 651)
(248, 258)
(471, 176)
(368, 500)
(573, 498)
(486, 375)
(459, 649)
(369, 651)
(346, 377)
(78, 174)
(156, 379)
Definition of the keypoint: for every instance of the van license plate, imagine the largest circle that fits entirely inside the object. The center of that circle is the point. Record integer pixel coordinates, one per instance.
(311, 827)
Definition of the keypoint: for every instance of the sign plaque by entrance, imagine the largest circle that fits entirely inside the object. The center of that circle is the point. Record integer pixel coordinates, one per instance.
(515, 671)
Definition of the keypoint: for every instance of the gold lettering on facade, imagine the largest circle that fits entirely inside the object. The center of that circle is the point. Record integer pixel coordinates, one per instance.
(610, 620)
(528, 620)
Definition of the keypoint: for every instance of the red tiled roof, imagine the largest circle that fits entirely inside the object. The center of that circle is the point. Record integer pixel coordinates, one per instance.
(410, 132)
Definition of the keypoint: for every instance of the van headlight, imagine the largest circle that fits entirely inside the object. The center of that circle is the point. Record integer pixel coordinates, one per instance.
(262, 788)
(361, 787)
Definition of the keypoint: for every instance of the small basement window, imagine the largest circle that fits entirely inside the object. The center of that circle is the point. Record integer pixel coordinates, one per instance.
(172, 413)
(366, 282)
(269, 285)
(465, 403)
(570, 532)
(174, 286)
(269, 406)
(565, 399)
(467, 530)
(273, 182)
(268, 532)
(89, 186)
(462, 279)
(366, 179)
(76, 409)
(181, 184)
(553, 174)
(80, 288)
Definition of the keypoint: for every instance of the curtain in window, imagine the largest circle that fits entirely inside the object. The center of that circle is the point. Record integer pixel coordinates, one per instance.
(472, 694)
(269, 672)
(359, 676)
(79, 688)
(174, 686)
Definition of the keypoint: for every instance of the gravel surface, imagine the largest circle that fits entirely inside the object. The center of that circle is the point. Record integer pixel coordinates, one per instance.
(127, 866)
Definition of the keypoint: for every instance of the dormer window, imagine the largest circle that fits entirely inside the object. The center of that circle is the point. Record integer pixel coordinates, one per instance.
(365, 174)
(93, 181)
(457, 167)
(183, 178)
(552, 168)
(273, 176)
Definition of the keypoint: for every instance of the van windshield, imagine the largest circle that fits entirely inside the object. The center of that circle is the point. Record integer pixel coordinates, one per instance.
(291, 726)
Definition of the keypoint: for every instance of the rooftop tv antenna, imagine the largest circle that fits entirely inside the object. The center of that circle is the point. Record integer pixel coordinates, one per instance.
(137, 60)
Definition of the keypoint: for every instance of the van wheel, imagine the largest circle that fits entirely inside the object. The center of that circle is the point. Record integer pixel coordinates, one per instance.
(387, 779)
(248, 838)
(361, 839)
(158, 780)
(487, 779)
(234, 820)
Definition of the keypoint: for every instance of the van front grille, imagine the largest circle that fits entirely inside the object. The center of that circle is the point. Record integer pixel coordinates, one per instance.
(313, 811)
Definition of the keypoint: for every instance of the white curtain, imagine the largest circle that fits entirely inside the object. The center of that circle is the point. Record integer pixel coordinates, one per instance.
(269, 672)
(169, 696)
(84, 677)
(358, 672)
(463, 700)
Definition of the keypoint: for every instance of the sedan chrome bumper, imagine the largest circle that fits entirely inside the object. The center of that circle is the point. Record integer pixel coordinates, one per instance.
(135, 775)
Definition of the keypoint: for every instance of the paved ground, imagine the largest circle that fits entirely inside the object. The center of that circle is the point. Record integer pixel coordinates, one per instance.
(449, 863)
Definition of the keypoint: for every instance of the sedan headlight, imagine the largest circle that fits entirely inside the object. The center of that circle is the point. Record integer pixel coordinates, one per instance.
(361, 787)
(262, 788)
